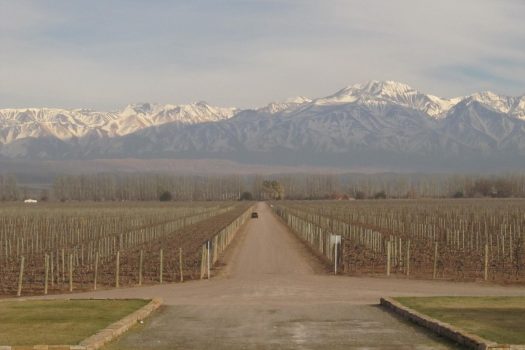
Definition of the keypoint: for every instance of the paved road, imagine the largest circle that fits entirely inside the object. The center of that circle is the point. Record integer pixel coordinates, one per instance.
(269, 296)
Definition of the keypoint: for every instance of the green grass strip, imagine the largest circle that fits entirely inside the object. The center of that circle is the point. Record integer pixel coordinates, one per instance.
(500, 319)
(59, 322)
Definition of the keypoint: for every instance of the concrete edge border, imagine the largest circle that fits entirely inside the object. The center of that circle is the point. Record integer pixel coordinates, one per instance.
(443, 329)
(116, 329)
(103, 336)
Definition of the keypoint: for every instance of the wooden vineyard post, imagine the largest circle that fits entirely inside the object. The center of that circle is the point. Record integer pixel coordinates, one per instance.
(117, 272)
(400, 251)
(63, 267)
(215, 246)
(434, 274)
(510, 249)
(70, 272)
(388, 247)
(345, 263)
(486, 267)
(180, 265)
(141, 258)
(208, 259)
(20, 276)
(52, 270)
(203, 261)
(408, 259)
(335, 258)
(46, 272)
(161, 266)
(96, 272)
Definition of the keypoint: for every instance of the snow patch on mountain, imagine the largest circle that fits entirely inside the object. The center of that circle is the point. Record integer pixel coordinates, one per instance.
(298, 100)
(381, 93)
(288, 105)
(66, 124)
(513, 106)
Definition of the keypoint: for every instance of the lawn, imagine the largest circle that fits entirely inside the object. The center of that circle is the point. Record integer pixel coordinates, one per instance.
(59, 322)
(500, 319)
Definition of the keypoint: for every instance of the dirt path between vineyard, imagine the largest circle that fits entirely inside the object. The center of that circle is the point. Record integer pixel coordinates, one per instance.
(273, 294)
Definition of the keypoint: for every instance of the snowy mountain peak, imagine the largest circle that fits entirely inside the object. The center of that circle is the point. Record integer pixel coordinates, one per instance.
(137, 108)
(379, 89)
(385, 88)
(298, 100)
(288, 105)
(381, 93)
(513, 106)
(66, 124)
(500, 103)
(187, 113)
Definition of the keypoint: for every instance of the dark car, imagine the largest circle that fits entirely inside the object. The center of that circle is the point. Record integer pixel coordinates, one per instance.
(255, 215)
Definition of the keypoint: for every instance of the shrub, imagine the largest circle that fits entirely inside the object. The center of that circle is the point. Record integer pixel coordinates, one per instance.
(458, 194)
(360, 195)
(380, 195)
(246, 196)
(165, 196)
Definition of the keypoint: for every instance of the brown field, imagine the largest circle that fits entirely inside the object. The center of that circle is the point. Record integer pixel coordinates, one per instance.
(75, 241)
(477, 239)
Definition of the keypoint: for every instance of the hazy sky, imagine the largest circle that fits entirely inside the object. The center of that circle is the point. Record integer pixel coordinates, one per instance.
(108, 53)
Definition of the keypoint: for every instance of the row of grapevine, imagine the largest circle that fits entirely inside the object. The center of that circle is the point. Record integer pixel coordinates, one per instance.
(448, 239)
(103, 246)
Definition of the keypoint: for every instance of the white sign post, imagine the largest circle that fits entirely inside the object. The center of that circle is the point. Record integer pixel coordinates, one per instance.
(335, 240)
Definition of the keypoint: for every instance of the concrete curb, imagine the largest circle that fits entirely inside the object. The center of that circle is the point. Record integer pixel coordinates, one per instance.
(444, 329)
(118, 328)
(103, 336)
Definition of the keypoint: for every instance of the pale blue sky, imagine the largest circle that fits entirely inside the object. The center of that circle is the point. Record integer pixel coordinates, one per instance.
(106, 54)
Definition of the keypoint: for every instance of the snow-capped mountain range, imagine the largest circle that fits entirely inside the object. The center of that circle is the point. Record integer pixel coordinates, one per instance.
(380, 122)
(16, 124)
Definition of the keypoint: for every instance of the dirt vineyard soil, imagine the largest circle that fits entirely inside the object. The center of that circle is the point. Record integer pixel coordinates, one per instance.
(481, 239)
(84, 240)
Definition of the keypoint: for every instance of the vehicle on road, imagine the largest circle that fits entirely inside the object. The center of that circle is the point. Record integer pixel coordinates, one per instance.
(255, 215)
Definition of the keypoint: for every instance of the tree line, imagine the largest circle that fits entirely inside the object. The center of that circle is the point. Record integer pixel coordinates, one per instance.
(9, 190)
(148, 187)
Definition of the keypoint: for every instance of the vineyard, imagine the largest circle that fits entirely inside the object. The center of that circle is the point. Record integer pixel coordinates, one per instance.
(54, 248)
(440, 239)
